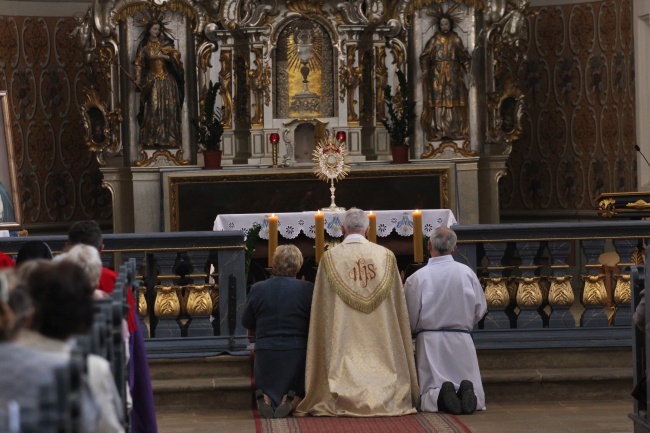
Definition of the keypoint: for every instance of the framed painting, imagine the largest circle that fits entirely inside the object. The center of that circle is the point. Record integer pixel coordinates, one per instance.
(10, 209)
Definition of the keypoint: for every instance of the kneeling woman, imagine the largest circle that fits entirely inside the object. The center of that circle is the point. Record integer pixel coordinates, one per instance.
(278, 310)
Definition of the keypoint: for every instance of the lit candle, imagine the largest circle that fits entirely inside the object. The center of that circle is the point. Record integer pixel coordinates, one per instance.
(372, 227)
(273, 237)
(418, 256)
(320, 234)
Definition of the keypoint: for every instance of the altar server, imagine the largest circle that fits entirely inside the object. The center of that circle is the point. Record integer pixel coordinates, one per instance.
(445, 300)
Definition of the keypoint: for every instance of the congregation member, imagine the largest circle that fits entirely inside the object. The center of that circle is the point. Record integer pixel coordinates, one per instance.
(33, 250)
(278, 311)
(62, 293)
(143, 413)
(359, 351)
(445, 300)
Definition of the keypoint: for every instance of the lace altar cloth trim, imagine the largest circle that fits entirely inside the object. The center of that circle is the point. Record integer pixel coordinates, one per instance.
(291, 224)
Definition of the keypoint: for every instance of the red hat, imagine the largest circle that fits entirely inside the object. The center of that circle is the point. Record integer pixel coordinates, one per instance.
(6, 261)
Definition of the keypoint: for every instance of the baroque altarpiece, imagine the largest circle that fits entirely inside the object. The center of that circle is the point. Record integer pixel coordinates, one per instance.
(301, 70)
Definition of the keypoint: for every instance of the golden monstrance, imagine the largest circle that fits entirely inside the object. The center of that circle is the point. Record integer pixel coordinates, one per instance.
(330, 163)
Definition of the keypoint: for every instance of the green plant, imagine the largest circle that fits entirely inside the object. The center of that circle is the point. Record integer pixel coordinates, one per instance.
(251, 240)
(209, 129)
(400, 112)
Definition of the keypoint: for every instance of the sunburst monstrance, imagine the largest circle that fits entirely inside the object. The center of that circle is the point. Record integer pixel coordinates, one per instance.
(330, 163)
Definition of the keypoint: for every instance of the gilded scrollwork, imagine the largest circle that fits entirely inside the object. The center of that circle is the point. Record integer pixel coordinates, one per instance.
(607, 207)
(430, 152)
(161, 155)
(225, 76)
(350, 78)
(506, 113)
(381, 79)
(142, 301)
(102, 126)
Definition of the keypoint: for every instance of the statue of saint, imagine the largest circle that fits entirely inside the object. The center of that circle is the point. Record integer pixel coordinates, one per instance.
(444, 63)
(160, 77)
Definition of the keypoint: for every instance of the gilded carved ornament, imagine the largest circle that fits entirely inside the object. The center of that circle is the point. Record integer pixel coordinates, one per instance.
(594, 292)
(167, 304)
(102, 126)
(506, 113)
(431, 153)
(381, 79)
(142, 301)
(529, 294)
(607, 207)
(189, 9)
(403, 10)
(639, 205)
(225, 77)
(163, 154)
(561, 293)
(496, 292)
(623, 290)
(199, 301)
(352, 12)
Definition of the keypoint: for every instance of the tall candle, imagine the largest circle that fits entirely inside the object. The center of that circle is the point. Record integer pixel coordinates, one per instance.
(418, 256)
(372, 227)
(273, 237)
(320, 234)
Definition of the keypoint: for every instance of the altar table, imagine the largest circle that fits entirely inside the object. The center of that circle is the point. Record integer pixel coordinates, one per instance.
(291, 224)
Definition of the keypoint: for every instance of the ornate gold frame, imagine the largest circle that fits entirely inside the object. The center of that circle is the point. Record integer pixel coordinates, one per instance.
(8, 174)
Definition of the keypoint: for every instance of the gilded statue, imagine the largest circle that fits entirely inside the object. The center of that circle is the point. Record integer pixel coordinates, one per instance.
(160, 79)
(350, 79)
(445, 63)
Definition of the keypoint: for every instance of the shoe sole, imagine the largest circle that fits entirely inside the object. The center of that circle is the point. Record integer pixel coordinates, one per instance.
(450, 401)
(468, 400)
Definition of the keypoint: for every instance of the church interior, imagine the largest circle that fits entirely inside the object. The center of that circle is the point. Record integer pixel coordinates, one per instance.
(532, 136)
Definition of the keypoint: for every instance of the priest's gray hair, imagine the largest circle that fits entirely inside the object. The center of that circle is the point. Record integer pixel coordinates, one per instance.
(355, 221)
(88, 258)
(443, 240)
(287, 261)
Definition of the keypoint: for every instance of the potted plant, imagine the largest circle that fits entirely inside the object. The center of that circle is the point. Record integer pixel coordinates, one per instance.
(209, 129)
(401, 114)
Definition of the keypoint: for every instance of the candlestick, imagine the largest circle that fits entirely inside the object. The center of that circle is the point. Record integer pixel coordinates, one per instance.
(320, 234)
(273, 237)
(418, 254)
(372, 227)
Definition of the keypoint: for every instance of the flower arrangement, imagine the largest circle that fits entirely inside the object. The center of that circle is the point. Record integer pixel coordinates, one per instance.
(400, 112)
(209, 129)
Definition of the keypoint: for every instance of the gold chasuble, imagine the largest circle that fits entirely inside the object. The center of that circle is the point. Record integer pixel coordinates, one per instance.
(360, 354)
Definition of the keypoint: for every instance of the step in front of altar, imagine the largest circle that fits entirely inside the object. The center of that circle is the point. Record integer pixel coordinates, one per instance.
(195, 383)
(508, 375)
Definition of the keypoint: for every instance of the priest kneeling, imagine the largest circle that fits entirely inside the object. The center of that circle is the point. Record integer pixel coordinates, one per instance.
(359, 353)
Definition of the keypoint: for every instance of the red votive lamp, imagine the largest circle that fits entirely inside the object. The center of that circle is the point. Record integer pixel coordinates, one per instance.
(340, 136)
(274, 137)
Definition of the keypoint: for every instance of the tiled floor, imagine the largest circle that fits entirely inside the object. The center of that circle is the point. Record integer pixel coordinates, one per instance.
(608, 416)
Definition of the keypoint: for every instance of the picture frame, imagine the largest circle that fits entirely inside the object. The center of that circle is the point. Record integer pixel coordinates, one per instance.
(11, 211)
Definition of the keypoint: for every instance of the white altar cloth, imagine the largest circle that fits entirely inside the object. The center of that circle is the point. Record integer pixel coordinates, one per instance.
(291, 224)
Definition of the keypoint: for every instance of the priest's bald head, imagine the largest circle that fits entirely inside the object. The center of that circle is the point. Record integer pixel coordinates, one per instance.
(355, 221)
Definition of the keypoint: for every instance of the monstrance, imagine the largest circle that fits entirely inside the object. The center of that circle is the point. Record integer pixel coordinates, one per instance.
(329, 158)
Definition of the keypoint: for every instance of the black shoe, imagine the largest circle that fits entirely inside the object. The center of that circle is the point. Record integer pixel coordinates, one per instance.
(467, 397)
(285, 407)
(448, 401)
(263, 407)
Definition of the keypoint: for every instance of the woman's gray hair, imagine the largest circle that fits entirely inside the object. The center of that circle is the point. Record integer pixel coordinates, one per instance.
(287, 261)
(443, 240)
(355, 221)
(88, 258)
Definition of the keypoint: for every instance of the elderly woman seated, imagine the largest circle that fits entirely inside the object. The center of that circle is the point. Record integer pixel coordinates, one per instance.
(278, 311)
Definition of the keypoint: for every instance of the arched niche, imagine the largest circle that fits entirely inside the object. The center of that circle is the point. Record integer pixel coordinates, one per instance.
(304, 71)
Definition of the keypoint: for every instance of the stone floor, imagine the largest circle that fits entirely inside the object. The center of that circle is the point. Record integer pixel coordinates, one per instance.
(603, 416)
